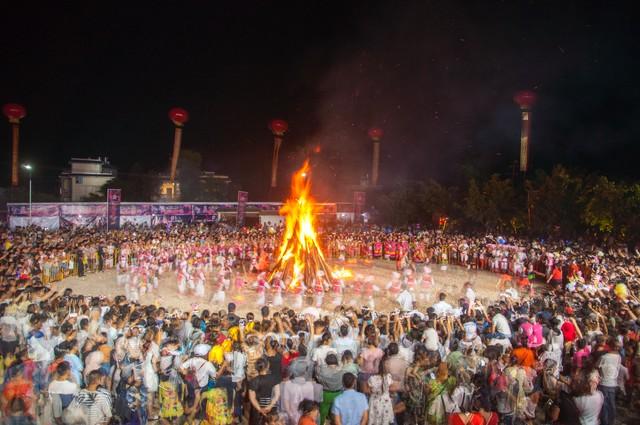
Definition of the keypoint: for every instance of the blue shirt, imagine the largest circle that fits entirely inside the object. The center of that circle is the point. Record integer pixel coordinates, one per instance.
(350, 406)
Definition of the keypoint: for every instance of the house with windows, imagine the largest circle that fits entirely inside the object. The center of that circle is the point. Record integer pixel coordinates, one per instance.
(84, 177)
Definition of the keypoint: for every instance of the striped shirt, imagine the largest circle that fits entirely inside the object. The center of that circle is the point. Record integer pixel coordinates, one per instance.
(97, 404)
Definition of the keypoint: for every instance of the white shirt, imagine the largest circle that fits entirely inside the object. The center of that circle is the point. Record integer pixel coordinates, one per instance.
(406, 353)
(63, 387)
(9, 326)
(320, 354)
(342, 344)
(470, 295)
(405, 299)
(589, 407)
(431, 339)
(609, 368)
(441, 307)
(202, 368)
(502, 324)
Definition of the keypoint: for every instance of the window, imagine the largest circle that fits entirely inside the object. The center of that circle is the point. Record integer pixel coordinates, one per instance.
(79, 179)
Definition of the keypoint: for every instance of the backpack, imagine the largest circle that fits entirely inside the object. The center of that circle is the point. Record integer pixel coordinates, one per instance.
(76, 413)
(120, 405)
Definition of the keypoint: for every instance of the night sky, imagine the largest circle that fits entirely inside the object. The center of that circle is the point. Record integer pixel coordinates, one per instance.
(437, 76)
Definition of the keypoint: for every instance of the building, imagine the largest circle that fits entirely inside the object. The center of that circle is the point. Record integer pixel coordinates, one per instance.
(84, 177)
(213, 186)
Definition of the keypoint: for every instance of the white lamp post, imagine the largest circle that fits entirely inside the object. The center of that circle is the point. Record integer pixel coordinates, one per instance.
(29, 168)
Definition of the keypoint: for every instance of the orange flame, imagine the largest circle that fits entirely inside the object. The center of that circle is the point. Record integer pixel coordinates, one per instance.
(342, 273)
(300, 256)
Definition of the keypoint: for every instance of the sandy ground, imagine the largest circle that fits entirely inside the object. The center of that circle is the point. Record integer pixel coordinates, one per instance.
(449, 281)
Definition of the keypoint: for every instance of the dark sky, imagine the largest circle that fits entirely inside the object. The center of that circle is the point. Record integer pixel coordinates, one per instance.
(437, 76)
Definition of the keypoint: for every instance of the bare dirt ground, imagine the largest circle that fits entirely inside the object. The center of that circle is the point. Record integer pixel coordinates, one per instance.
(449, 281)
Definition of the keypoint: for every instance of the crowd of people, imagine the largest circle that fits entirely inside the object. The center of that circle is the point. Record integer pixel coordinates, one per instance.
(566, 352)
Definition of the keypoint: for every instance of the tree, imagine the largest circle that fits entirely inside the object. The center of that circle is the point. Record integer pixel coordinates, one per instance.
(189, 171)
(494, 206)
(415, 202)
(136, 186)
(554, 202)
(602, 202)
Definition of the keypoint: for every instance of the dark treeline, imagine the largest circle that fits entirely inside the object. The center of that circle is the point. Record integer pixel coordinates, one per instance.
(561, 203)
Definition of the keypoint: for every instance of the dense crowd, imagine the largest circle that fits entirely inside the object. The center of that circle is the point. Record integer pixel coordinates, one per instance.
(565, 353)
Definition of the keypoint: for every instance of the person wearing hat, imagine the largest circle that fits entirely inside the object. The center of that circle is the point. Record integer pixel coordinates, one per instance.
(199, 374)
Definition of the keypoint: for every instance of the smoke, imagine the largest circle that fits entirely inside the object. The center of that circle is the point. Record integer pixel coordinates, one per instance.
(439, 79)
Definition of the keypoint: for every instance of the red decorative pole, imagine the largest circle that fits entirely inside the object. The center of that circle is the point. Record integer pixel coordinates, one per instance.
(178, 116)
(14, 113)
(376, 135)
(278, 128)
(525, 99)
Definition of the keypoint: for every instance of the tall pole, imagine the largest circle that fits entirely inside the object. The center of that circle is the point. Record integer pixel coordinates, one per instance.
(277, 142)
(278, 128)
(525, 99)
(14, 113)
(178, 117)
(30, 204)
(177, 141)
(375, 134)
(29, 169)
(15, 143)
(375, 164)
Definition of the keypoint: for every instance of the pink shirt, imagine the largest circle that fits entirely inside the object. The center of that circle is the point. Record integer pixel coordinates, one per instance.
(371, 359)
(579, 356)
(533, 333)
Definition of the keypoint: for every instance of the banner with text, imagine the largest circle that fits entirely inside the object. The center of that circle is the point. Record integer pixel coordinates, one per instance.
(243, 198)
(114, 196)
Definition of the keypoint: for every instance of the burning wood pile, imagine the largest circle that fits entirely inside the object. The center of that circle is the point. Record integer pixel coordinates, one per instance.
(300, 260)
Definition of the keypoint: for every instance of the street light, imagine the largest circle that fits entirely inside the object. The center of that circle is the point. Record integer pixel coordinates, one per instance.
(29, 169)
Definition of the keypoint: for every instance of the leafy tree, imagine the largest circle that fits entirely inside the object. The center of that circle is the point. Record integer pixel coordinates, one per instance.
(553, 201)
(136, 185)
(494, 205)
(602, 201)
(189, 171)
(414, 202)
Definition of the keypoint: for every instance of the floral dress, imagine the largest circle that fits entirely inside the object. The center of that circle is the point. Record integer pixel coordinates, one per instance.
(380, 406)
(438, 400)
(415, 393)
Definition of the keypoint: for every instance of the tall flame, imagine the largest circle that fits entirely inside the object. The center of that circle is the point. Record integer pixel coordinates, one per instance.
(300, 257)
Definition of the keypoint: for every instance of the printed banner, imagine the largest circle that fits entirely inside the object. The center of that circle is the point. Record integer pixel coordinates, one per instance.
(205, 213)
(84, 214)
(326, 209)
(243, 198)
(134, 209)
(114, 196)
(84, 210)
(171, 209)
(37, 210)
(73, 221)
(205, 209)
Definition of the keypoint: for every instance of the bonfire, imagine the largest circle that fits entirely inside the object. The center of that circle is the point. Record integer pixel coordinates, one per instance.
(300, 258)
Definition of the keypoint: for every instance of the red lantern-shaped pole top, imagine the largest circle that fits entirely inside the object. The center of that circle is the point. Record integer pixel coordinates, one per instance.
(376, 134)
(14, 112)
(525, 98)
(278, 127)
(178, 116)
